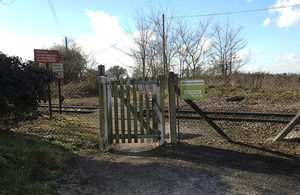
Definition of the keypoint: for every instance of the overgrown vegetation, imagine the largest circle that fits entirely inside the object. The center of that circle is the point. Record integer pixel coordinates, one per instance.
(74, 59)
(22, 85)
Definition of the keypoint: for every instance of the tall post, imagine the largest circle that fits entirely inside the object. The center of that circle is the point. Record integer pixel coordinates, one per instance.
(161, 103)
(103, 113)
(172, 108)
(101, 70)
(66, 43)
(164, 44)
(59, 96)
(49, 95)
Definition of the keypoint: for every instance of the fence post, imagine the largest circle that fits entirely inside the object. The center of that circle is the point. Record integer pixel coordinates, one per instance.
(172, 108)
(288, 128)
(161, 102)
(103, 113)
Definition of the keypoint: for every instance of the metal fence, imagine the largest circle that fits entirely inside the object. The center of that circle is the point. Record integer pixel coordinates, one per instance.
(247, 107)
(79, 100)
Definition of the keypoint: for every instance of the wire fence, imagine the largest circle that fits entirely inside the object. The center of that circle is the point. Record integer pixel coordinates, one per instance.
(79, 101)
(247, 107)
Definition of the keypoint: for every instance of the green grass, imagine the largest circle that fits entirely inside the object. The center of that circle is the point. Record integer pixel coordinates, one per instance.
(29, 165)
(35, 155)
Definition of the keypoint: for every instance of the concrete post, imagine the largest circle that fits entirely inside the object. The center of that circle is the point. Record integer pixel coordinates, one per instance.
(103, 113)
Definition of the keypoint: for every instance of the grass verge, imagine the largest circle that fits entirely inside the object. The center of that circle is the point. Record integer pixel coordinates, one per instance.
(76, 133)
(29, 165)
(36, 156)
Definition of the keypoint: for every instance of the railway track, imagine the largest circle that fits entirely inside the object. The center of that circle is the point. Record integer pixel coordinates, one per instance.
(72, 109)
(283, 118)
(237, 116)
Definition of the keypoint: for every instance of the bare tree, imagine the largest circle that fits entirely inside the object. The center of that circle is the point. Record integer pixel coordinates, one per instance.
(141, 39)
(228, 43)
(170, 33)
(146, 48)
(191, 46)
(195, 41)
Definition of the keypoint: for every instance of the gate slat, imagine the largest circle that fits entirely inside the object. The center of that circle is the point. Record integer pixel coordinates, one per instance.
(147, 108)
(138, 118)
(135, 116)
(110, 121)
(122, 110)
(141, 107)
(128, 109)
(154, 115)
(116, 109)
(161, 102)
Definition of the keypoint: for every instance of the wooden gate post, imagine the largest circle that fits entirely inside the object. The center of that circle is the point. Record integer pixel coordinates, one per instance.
(104, 106)
(172, 108)
(161, 102)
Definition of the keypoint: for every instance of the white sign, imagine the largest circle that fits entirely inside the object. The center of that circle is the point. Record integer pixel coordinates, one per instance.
(59, 69)
(192, 91)
(192, 82)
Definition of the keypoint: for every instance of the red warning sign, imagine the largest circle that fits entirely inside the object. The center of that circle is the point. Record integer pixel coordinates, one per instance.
(46, 56)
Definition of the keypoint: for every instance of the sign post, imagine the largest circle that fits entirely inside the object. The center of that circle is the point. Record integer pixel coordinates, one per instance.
(46, 56)
(192, 89)
(58, 68)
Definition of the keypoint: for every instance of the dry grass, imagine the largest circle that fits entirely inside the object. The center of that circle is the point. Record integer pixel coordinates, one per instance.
(258, 81)
(73, 132)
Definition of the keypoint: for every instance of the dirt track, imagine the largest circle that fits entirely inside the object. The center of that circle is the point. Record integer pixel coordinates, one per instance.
(186, 169)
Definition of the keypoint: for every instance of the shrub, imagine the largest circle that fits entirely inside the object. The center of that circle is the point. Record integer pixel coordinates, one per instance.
(22, 85)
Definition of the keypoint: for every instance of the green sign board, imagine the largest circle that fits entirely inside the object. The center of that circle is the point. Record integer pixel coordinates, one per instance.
(192, 89)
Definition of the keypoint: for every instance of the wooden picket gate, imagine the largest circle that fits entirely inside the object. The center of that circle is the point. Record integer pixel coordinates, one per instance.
(131, 109)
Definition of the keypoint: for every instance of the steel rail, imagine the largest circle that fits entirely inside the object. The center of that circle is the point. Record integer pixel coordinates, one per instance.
(221, 116)
(75, 107)
(241, 113)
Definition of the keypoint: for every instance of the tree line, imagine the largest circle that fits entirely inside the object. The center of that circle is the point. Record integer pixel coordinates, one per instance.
(160, 45)
(203, 46)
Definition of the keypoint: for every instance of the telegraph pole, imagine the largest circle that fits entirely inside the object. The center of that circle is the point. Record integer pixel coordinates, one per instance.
(164, 44)
(59, 82)
(66, 43)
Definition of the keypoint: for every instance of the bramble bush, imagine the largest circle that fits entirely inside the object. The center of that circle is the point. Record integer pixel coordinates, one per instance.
(22, 86)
